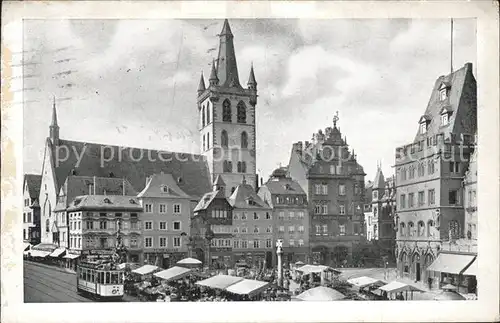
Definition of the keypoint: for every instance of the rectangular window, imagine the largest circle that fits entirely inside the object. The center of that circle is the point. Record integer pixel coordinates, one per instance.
(177, 225)
(163, 208)
(163, 242)
(454, 167)
(342, 229)
(301, 214)
(444, 119)
(324, 209)
(148, 242)
(177, 242)
(430, 167)
(244, 230)
(342, 189)
(301, 243)
(268, 216)
(339, 169)
(236, 243)
(318, 229)
(90, 225)
(324, 189)
(177, 208)
(244, 216)
(163, 225)
(410, 200)
(102, 215)
(342, 209)
(255, 216)
(423, 127)
(291, 215)
(421, 198)
(402, 201)
(301, 228)
(281, 228)
(269, 229)
(332, 169)
(291, 242)
(148, 208)
(269, 243)
(244, 244)
(453, 197)
(148, 225)
(291, 229)
(256, 244)
(325, 229)
(281, 215)
(431, 197)
(317, 189)
(103, 225)
(317, 209)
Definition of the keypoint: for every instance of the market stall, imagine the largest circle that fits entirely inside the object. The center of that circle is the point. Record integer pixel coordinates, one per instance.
(220, 282)
(321, 293)
(173, 273)
(396, 287)
(248, 287)
(145, 270)
(449, 293)
(189, 263)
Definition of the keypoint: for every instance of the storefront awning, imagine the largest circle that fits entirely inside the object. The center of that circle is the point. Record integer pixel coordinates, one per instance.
(145, 270)
(189, 261)
(364, 281)
(472, 270)
(321, 293)
(27, 246)
(307, 269)
(396, 287)
(451, 263)
(248, 287)
(71, 256)
(58, 252)
(219, 281)
(38, 253)
(173, 273)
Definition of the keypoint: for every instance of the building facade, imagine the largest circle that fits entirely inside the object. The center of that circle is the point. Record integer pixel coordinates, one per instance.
(97, 221)
(470, 197)
(252, 227)
(211, 235)
(227, 118)
(63, 158)
(31, 209)
(165, 220)
(429, 174)
(290, 216)
(334, 183)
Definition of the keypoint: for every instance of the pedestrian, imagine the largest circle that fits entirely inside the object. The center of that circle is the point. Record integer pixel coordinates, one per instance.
(429, 282)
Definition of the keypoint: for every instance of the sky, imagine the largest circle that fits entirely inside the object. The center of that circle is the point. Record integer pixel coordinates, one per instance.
(134, 82)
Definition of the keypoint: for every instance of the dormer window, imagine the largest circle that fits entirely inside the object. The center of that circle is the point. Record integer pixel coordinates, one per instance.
(444, 119)
(443, 91)
(107, 201)
(164, 189)
(423, 127)
(132, 201)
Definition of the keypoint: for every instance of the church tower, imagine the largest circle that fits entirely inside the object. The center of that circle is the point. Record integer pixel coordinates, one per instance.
(54, 127)
(227, 118)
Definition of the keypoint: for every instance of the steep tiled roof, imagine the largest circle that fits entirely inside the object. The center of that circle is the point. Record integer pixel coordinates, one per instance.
(205, 201)
(33, 181)
(242, 195)
(79, 186)
(189, 170)
(284, 185)
(156, 182)
(105, 202)
(461, 97)
(379, 181)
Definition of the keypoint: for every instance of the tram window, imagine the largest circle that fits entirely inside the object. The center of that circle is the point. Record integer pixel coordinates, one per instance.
(120, 278)
(107, 278)
(92, 276)
(102, 277)
(114, 278)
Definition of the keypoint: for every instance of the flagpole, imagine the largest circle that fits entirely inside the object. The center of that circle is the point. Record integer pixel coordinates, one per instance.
(451, 47)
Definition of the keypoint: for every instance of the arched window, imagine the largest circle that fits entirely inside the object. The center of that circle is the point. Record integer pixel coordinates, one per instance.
(47, 225)
(226, 111)
(421, 228)
(244, 140)
(243, 167)
(204, 143)
(208, 113)
(203, 116)
(375, 231)
(454, 230)
(227, 166)
(402, 229)
(410, 229)
(208, 140)
(239, 167)
(224, 139)
(242, 112)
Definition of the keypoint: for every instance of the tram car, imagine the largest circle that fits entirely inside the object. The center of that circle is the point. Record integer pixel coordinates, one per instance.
(100, 280)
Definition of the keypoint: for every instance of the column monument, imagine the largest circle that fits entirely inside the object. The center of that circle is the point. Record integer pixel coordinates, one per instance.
(279, 253)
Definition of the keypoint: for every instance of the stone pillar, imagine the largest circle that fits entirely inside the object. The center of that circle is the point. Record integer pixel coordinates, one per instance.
(279, 254)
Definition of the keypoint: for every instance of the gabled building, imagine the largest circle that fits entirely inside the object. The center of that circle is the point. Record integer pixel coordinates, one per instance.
(31, 209)
(227, 115)
(165, 220)
(63, 158)
(430, 172)
(252, 227)
(290, 215)
(334, 183)
(211, 236)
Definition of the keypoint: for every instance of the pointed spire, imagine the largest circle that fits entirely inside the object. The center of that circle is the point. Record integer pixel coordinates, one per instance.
(227, 69)
(201, 86)
(54, 127)
(345, 140)
(213, 80)
(252, 83)
(218, 183)
(54, 112)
